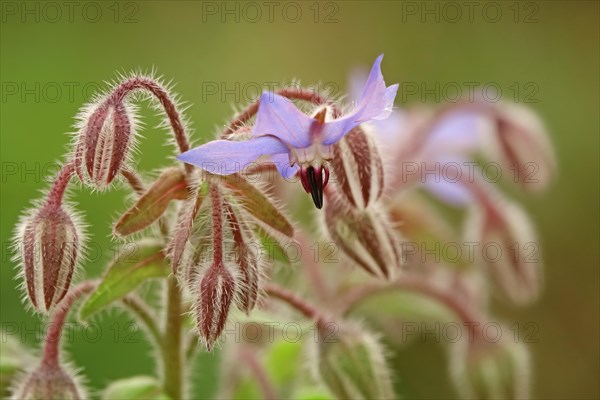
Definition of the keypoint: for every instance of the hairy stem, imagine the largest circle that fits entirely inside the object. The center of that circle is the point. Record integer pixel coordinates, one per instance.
(217, 223)
(165, 99)
(294, 300)
(140, 309)
(172, 343)
(52, 340)
(55, 196)
(415, 284)
(134, 180)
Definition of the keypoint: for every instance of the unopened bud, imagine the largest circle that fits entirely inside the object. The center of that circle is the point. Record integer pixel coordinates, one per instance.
(353, 366)
(246, 260)
(105, 135)
(365, 237)
(216, 293)
(49, 382)
(509, 248)
(522, 145)
(50, 244)
(357, 169)
(486, 370)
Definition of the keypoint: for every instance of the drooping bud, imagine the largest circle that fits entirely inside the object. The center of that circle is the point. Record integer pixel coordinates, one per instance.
(215, 295)
(104, 140)
(246, 259)
(135, 388)
(522, 146)
(358, 169)
(490, 370)
(365, 237)
(49, 240)
(508, 247)
(49, 382)
(353, 366)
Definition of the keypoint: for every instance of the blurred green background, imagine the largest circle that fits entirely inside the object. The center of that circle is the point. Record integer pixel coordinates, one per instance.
(544, 53)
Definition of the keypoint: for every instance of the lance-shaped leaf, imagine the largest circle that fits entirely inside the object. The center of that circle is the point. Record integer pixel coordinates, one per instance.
(184, 224)
(139, 263)
(258, 205)
(170, 185)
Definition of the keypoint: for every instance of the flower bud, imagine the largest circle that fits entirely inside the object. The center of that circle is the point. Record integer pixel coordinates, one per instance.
(522, 146)
(509, 249)
(104, 141)
(215, 295)
(353, 366)
(49, 382)
(358, 169)
(135, 388)
(486, 370)
(246, 259)
(50, 244)
(365, 237)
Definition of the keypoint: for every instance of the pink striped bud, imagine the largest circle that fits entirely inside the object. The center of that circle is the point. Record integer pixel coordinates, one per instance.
(246, 260)
(49, 382)
(104, 142)
(49, 240)
(365, 237)
(358, 169)
(215, 295)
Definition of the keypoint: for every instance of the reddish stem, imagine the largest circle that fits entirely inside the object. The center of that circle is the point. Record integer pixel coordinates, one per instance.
(259, 373)
(165, 100)
(462, 311)
(217, 224)
(55, 196)
(134, 180)
(52, 340)
(291, 298)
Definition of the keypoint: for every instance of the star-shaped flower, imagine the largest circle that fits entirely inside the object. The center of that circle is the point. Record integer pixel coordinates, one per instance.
(293, 140)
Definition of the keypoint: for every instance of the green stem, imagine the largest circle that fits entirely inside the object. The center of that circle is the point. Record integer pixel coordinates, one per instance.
(172, 343)
(140, 309)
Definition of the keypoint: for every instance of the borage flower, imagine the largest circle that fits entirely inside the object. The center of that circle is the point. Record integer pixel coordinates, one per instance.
(293, 140)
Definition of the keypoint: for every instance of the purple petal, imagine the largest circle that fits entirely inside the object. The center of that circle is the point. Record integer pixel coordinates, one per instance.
(451, 193)
(376, 103)
(457, 133)
(282, 163)
(279, 117)
(225, 157)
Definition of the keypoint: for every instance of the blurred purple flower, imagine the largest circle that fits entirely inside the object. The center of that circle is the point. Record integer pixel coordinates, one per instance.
(447, 146)
(294, 140)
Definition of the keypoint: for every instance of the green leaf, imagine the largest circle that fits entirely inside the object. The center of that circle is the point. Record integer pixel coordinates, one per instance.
(258, 205)
(170, 185)
(140, 262)
(135, 388)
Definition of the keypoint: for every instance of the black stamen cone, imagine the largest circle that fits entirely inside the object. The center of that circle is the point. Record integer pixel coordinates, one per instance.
(315, 181)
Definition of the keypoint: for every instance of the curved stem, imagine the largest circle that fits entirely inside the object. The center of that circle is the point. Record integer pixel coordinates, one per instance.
(140, 309)
(134, 180)
(291, 93)
(52, 340)
(172, 343)
(55, 196)
(168, 103)
(462, 311)
(291, 298)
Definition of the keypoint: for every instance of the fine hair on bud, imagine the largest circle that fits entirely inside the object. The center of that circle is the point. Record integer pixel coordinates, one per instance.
(48, 246)
(49, 382)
